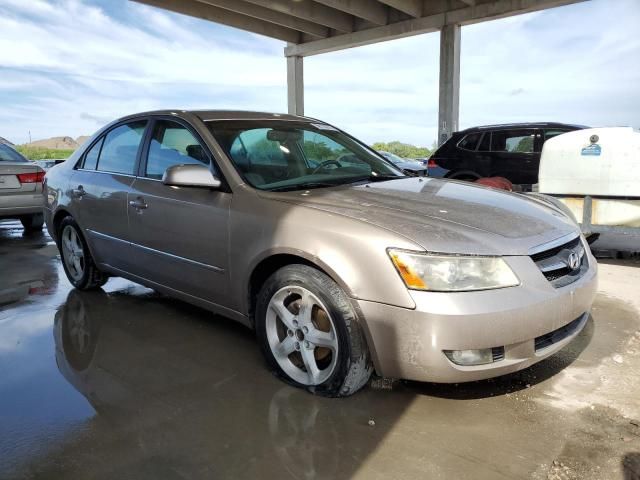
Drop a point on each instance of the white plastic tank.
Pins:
(600, 162)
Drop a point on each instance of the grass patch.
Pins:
(41, 153)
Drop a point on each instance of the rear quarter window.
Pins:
(91, 157)
(470, 141)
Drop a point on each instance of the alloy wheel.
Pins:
(73, 252)
(302, 336)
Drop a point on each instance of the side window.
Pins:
(173, 144)
(120, 148)
(91, 157)
(469, 142)
(252, 147)
(513, 141)
(552, 133)
(485, 143)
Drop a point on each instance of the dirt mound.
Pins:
(58, 143)
(81, 139)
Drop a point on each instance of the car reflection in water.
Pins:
(177, 390)
(26, 267)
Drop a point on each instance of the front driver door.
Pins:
(179, 235)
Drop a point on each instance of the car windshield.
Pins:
(285, 155)
(393, 157)
(8, 154)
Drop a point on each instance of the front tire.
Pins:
(32, 223)
(77, 261)
(310, 333)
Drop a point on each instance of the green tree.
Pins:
(404, 150)
(319, 151)
(41, 153)
(525, 145)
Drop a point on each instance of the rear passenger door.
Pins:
(99, 189)
(513, 155)
(179, 235)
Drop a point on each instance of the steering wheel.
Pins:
(325, 164)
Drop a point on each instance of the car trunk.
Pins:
(9, 181)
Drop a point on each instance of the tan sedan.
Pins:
(341, 263)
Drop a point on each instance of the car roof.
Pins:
(211, 115)
(508, 126)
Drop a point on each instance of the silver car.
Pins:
(341, 268)
(20, 189)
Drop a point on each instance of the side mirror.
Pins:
(191, 175)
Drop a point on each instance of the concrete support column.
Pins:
(295, 85)
(449, 105)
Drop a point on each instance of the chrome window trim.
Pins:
(138, 177)
(105, 173)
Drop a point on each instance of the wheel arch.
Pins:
(271, 262)
(57, 220)
(61, 214)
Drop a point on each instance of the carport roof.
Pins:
(318, 26)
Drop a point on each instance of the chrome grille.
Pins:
(555, 263)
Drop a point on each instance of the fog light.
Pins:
(470, 357)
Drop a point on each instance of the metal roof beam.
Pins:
(368, 36)
(197, 9)
(271, 16)
(311, 11)
(370, 10)
(410, 7)
(463, 16)
(500, 9)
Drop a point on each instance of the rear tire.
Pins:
(32, 223)
(77, 261)
(310, 334)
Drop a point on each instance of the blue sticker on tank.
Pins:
(593, 150)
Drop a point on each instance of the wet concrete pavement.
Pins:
(128, 384)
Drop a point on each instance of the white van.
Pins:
(596, 173)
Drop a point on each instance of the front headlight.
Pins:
(448, 273)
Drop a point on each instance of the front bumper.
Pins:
(409, 344)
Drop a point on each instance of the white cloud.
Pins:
(58, 63)
(67, 65)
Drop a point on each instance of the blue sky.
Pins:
(69, 66)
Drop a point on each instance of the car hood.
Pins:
(443, 215)
(410, 166)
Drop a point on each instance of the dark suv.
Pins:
(511, 151)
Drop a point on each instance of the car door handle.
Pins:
(138, 203)
(78, 192)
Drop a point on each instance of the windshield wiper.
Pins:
(303, 186)
(383, 178)
(376, 178)
(344, 181)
